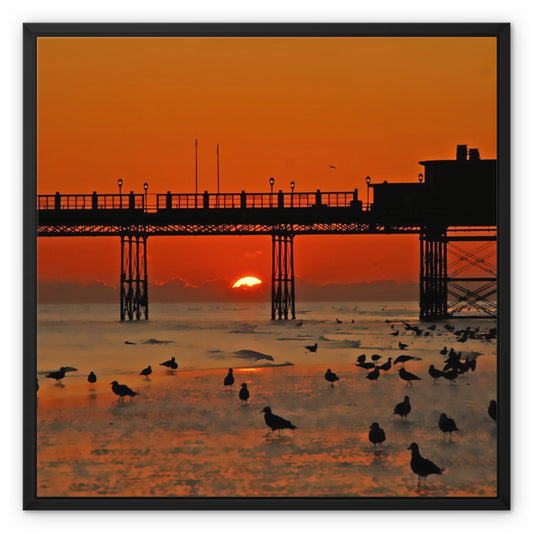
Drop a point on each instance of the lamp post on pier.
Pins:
(292, 193)
(120, 182)
(271, 181)
(146, 196)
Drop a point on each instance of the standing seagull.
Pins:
(122, 390)
(373, 375)
(376, 435)
(58, 375)
(447, 425)
(244, 393)
(434, 373)
(331, 377)
(403, 408)
(91, 378)
(402, 346)
(386, 366)
(313, 348)
(275, 422)
(407, 376)
(229, 380)
(421, 466)
(171, 363)
(146, 372)
(493, 409)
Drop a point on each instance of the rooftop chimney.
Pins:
(474, 154)
(461, 152)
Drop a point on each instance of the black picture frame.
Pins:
(31, 32)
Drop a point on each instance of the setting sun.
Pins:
(248, 281)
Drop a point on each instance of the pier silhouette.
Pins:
(452, 206)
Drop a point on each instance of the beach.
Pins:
(185, 434)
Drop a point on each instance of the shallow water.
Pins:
(188, 435)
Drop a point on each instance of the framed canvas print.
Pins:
(266, 266)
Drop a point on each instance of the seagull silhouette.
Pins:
(122, 390)
(331, 377)
(447, 425)
(91, 378)
(313, 348)
(229, 379)
(333, 167)
(376, 435)
(275, 422)
(373, 375)
(434, 373)
(244, 393)
(421, 466)
(146, 372)
(493, 409)
(386, 366)
(171, 363)
(403, 408)
(58, 375)
(407, 376)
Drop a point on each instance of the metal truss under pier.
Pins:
(283, 274)
(456, 281)
(133, 276)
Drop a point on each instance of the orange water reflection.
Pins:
(187, 435)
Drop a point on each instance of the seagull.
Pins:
(339, 321)
(366, 366)
(313, 348)
(122, 390)
(434, 373)
(403, 358)
(146, 372)
(403, 408)
(447, 425)
(376, 357)
(444, 351)
(91, 378)
(244, 393)
(58, 375)
(373, 375)
(451, 375)
(275, 422)
(493, 409)
(386, 366)
(421, 466)
(331, 377)
(376, 435)
(361, 358)
(171, 363)
(229, 379)
(333, 167)
(395, 333)
(407, 376)
(402, 345)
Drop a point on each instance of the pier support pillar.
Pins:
(133, 276)
(433, 274)
(283, 275)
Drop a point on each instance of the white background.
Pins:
(13, 13)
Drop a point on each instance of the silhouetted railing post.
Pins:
(132, 200)
(206, 200)
(280, 198)
(318, 197)
(169, 200)
(95, 200)
(57, 203)
(243, 200)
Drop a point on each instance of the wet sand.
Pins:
(188, 435)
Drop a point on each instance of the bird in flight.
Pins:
(333, 167)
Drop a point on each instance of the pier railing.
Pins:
(170, 201)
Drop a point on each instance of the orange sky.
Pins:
(281, 107)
